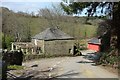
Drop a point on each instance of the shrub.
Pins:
(7, 42)
(108, 59)
(13, 57)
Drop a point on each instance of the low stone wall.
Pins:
(58, 47)
(29, 57)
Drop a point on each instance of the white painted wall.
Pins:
(36, 42)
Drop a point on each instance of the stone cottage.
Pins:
(53, 41)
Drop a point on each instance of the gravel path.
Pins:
(65, 67)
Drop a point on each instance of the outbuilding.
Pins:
(53, 41)
(94, 44)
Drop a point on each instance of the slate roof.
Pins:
(94, 41)
(52, 34)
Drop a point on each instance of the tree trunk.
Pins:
(116, 23)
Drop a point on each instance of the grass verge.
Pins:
(15, 67)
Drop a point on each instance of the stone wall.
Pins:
(59, 47)
(40, 43)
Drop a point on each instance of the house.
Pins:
(94, 44)
(53, 41)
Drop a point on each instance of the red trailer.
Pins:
(94, 44)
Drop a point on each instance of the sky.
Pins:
(31, 5)
(28, 6)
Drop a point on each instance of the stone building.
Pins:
(53, 41)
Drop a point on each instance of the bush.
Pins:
(13, 57)
(6, 44)
(108, 59)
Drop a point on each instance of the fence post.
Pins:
(4, 70)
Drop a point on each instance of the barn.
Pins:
(94, 44)
(53, 41)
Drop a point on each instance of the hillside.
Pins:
(75, 29)
(25, 24)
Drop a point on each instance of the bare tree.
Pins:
(53, 16)
(16, 24)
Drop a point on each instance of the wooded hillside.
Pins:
(22, 26)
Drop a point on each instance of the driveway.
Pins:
(64, 67)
